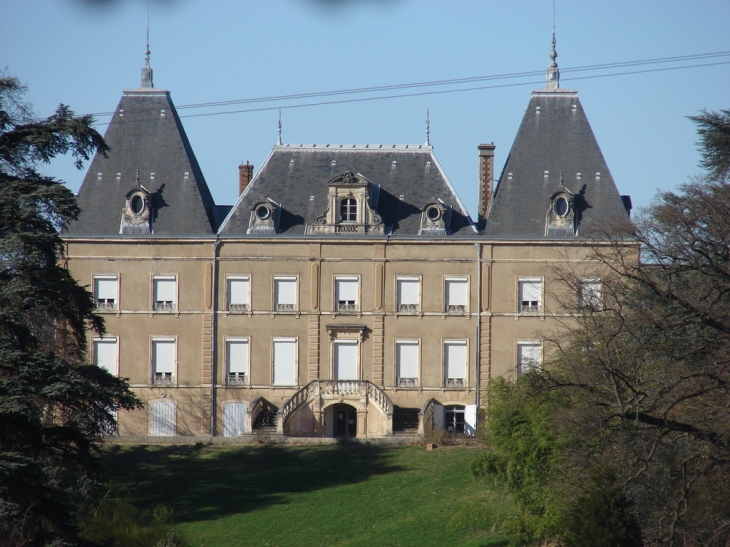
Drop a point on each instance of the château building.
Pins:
(347, 292)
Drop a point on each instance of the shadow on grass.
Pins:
(201, 483)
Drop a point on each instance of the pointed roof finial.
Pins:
(428, 128)
(147, 71)
(553, 73)
(279, 141)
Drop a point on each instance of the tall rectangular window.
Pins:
(530, 297)
(105, 354)
(165, 293)
(456, 295)
(406, 363)
(529, 356)
(163, 361)
(345, 359)
(285, 362)
(105, 292)
(409, 297)
(455, 360)
(590, 294)
(162, 419)
(346, 294)
(285, 293)
(238, 293)
(237, 362)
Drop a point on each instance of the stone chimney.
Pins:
(245, 174)
(486, 176)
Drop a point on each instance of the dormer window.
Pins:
(560, 218)
(435, 218)
(348, 210)
(265, 215)
(263, 212)
(560, 206)
(433, 213)
(136, 215)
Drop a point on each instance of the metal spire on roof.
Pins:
(428, 128)
(279, 141)
(147, 71)
(553, 73)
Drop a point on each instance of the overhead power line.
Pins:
(375, 89)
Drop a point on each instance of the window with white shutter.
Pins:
(590, 294)
(409, 297)
(406, 363)
(529, 356)
(238, 293)
(345, 359)
(234, 423)
(456, 295)
(285, 362)
(455, 359)
(346, 294)
(530, 297)
(105, 354)
(237, 362)
(165, 293)
(162, 419)
(105, 292)
(163, 361)
(285, 293)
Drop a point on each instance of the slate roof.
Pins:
(293, 174)
(142, 138)
(557, 138)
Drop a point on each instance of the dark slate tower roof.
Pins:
(295, 176)
(146, 136)
(554, 138)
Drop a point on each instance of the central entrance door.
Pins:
(345, 421)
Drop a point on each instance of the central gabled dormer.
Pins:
(351, 203)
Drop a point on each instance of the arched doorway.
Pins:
(345, 421)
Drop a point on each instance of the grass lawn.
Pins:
(298, 496)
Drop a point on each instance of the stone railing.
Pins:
(333, 388)
(407, 382)
(425, 417)
(237, 307)
(106, 305)
(533, 307)
(455, 382)
(237, 379)
(286, 307)
(341, 306)
(161, 380)
(164, 306)
(258, 406)
(409, 308)
(456, 308)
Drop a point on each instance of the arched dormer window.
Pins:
(348, 210)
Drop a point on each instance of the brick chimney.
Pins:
(245, 174)
(486, 176)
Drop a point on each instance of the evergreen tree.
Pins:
(54, 409)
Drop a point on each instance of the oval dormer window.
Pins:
(433, 213)
(560, 206)
(136, 204)
(263, 212)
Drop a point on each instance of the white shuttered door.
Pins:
(105, 288)
(238, 291)
(285, 362)
(235, 420)
(407, 359)
(165, 289)
(285, 290)
(408, 291)
(164, 356)
(162, 419)
(456, 292)
(455, 359)
(237, 352)
(346, 360)
(347, 289)
(105, 354)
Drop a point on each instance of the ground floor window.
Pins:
(454, 419)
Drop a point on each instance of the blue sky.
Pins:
(84, 53)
